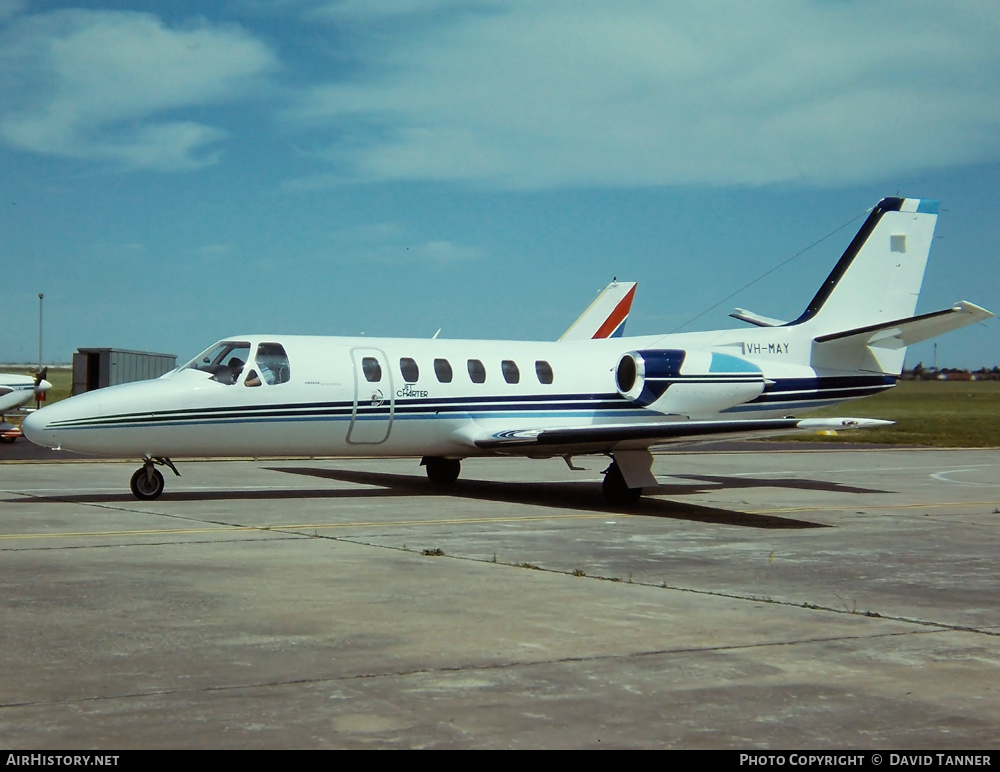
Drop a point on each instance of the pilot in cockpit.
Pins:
(235, 368)
(271, 364)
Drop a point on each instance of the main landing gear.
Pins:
(441, 471)
(616, 490)
(147, 482)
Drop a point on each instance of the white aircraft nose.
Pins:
(33, 427)
(42, 386)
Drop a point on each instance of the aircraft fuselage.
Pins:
(435, 397)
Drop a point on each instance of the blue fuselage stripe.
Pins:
(802, 393)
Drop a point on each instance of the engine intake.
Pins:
(643, 376)
(692, 383)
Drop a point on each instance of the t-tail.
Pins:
(862, 317)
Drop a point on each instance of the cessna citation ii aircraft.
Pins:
(446, 400)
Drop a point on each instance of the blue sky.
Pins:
(176, 176)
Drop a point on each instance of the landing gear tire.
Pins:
(615, 490)
(6, 440)
(146, 484)
(443, 471)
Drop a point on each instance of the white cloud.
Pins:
(98, 85)
(369, 10)
(388, 243)
(591, 93)
(211, 252)
(447, 252)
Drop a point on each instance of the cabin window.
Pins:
(272, 364)
(224, 361)
(476, 371)
(442, 369)
(544, 371)
(510, 372)
(408, 367)
(372, 369)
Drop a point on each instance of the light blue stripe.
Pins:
(726, 363)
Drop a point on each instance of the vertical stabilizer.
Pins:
(878, 278)
(606, 316)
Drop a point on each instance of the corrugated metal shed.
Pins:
(95, 368)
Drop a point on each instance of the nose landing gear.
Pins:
(147, 482)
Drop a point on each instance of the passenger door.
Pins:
(371, 418)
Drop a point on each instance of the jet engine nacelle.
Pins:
(690, 383)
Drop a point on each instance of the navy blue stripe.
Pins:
(825, 394)
(349, 405)
(830, 388)
(787, 390)
(420, 406)
(829, 382)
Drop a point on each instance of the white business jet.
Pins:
(446, 400)
(17, 391)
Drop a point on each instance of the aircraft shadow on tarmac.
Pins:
(582, 496)
(721, 482)
(577, 496)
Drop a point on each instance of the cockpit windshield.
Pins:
(224, 361)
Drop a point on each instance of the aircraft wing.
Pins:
(611, 437)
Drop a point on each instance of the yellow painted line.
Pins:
(279, 528)
(865, 506)
(274, 528)
(160, 532)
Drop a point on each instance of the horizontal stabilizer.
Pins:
(905, 332)
(597, 439)
(756, 319)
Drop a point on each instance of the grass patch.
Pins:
(942, 414)
(62, 383)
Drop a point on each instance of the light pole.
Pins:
(40, 296)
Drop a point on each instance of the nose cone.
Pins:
(42, 386)
(58, 425)
(35, 427)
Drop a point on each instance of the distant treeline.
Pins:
(921, 373)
